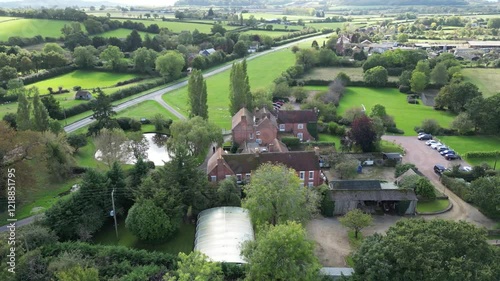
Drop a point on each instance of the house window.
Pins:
(311, 175)
(300, 126)
(250, 136)
(302, 175)
(300, 136)
(238, 177)
(282, 127)
(247, 177)
(213, 178)
(228, 176)
(310, 184)
(257, 133)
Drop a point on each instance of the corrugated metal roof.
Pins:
(337, 271)
(221, 231)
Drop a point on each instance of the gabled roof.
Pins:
(298, 160)
(296, 116)
(212, 161)
(237, 117)
(355, 185)
(373, 195)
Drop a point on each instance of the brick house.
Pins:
(295, 122)
(260, 128)
(222, 165)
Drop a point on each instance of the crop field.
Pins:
(31, 28)
(486, 79)
(406, 116)
(122, 33)
(464, 144)
(329, 73)
(261, 72)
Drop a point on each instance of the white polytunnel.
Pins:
(221, 231)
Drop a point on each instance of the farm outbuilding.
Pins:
(371, 196)
(221, 231)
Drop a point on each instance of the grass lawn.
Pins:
(330, 138)
(486, 79)
(85, 156)
(329, 73)
(146, 109)
(181, 241)
(432, 206)
(406, 116)
(261, 72)
(31, 28)
(387, 146)
(122, 33)
(463, 144)
(41, 199)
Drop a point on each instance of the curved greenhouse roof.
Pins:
(221, 231)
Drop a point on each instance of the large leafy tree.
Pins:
(133, 41)
(144, 60)
(170, 64)
(281, 252)
(112, 56)
(455, 96)
(418, 81)
(112, 145)
(85, 57)
(363, 133)
(239, 88)
(195, 266)
(275, 196)
(376, 76)
(433, 250)
(486, 195)
(40, 115)
(229, 193)
(148, 221)
(197, 92)
(196, 134)
(356, 220)
(439, 74)
(23, 113)
(103, 110)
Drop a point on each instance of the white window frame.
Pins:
(257, 133)
(228, 176)
(311, 175)
(300, 126)
(239, 178)
(213, 178)
(300, 136)
(310, 184)
(250, 136)
(282, 127)
(247, 177)
(302, 175)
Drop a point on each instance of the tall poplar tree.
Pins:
(239, 88)
(23, 113)
(197, 91)
(40, 115)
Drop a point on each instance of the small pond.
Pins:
(156, 152)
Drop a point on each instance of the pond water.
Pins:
(156, 152)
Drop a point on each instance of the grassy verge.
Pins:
(146, 109)
(355, 243)
(181, 241)
(432, 206)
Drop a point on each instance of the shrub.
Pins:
(404, 89)
(458, 187)
(394, 130)
(482, 154)
(291, 141)
(149, 222)
(124, 123)
(135, 125)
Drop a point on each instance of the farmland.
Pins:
(261, 72)
(406, 116)
(329, 73)
(486, 79)
(122, 33)
(177, 26)
(272, 34)
(31, 28)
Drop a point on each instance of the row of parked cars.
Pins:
(278, 104)
(445, 151)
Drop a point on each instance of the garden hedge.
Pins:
(482, 154)
(291, 141)
(458, 187)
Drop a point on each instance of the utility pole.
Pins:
(114, 211)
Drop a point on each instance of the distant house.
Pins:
(207, 52)
(370, 196)
(260, 128)
(83, 95)
(222, 165)
(296, 122)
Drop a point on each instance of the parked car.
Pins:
(439, 169)
(442, 148)
(448, 151)
(466, 168)
(435, 145)
(368, 162)
(429, 142)
(425, 137)
(450, 157)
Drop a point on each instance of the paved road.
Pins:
(156, 95)
(425, 158)
(19, 223)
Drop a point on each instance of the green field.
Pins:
(31, 28)
(486, 79)
(83, 78)
(272, 34)
(122, 33)
(181, 241)
(177, 26)
(463, 144)
(320, 25)
(261, 72)
(329, 73)
(146, 109)
(406, 116)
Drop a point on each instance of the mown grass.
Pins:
(464, 144)
(329, 138)
(406, 116)
(122, 33)
(83, 78)
(178, 26)
(146, 109)
(261, 72)
(181, 241)
(31, 28)
(486, 79)
(432, 206)
(329, 73)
